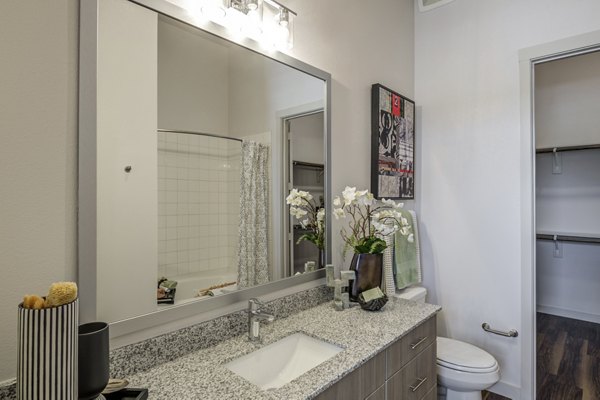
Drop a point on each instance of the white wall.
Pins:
(307, 138)
(38, 155)
(567, 101)
(127, 203)
(569, 203)
(193, 80)
(360, 45)
(467, 93)
(259, 88)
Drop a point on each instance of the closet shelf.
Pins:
(568, 148)
(303, 164)
(562, 237)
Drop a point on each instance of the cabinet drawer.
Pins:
(414, 380)
(379, 394)
(361, 383)
(405, 349)
(431, 395)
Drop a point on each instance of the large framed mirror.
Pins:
(190, 141)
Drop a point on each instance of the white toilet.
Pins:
(463, 370)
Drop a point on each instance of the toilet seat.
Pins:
(464, 357)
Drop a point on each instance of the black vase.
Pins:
(368, 269)
(93, 359)
(321, 259)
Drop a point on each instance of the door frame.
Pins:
(280, 210)
(528, 59)
(288, 252)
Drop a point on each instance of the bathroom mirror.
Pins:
(189, 145)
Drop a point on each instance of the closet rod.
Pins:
(568, 148)
(198, 133)
(568, 238)
(308, 165)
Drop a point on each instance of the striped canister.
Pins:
(47, 353)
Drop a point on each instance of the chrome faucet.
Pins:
(255, 315)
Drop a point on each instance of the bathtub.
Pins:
(188, 285)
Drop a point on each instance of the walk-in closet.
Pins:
(567, 163)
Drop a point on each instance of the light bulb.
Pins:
(284, 17)
(252, 5)
(213, 11)
(252, 26)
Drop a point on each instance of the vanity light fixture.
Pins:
(267, 21)
(284, 17)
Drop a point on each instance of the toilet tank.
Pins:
(414, 293)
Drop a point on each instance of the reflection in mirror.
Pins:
(189, 146)
(236, 131)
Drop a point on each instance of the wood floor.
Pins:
(493, 396)
(568, 359)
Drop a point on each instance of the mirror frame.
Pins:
(87, 224)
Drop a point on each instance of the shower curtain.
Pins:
(253, 268)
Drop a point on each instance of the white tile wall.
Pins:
(198, 203)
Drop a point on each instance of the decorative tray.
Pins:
(128, 394)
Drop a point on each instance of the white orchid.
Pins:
(298, 212)
(369, 221)
(321, 215)
(349, 195)
(305, 195)
(339, 213)
(298, 197)
(388, 202)
(310, 216)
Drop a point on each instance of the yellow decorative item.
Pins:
(33, 302)
(61, 293)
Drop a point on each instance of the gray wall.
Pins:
(38, 155)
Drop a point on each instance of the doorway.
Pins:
(560, 344)
(567, 198)
(304, 169)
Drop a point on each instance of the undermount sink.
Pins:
(283, 361)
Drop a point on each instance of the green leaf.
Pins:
(370, 245)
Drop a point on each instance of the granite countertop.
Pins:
(362, 334)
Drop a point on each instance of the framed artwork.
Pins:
(392, 144)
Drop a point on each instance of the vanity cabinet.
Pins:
(405, 370)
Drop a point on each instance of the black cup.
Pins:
(93, 359)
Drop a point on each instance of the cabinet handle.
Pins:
(416, 387)
(420, 342)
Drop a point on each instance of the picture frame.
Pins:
(392, 144)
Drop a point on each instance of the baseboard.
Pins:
(507, 390)
(564, 312)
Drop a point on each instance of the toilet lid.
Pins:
(463, 356)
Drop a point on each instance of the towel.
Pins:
(407, 255)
